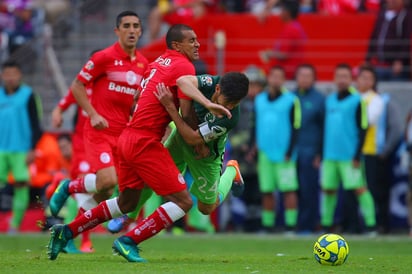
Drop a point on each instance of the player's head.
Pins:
(11, 75)
(276, 77)
(128, 29)
(289, 9)
(343, 76)
(305, 76)
(232, 87)
(367, 79)
(183, 39)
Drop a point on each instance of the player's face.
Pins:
(343, 78)
(65, 148)
(129, 31)
(276, 78)
(305, 78)
(365, 81)
(11, 77)
(189, 46)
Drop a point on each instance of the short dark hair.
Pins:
(278, 67)
(307, 66)
(234, 86)
(292, 6)
(175, 34)
(123, 14)
(372, 71)
(11, 64)
(64, 136)
(344, 66)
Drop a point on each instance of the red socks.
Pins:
(150, 226)
(90, 219)
(77, 186)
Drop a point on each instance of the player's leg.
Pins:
(353, 178)
(21, 196)
(165, 180)
(100, 151)
(288, 185)
(267, 185)
(329, 184)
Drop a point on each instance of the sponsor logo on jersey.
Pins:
(122, 89)
(140, 65)
(86, 75)
(206, 81)
(105, 157)
(89, 65)
(131, 77)
(118, 62)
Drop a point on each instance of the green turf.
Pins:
(222, 253)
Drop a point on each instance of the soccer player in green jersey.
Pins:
(198, 141)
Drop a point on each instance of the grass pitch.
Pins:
(221, 253)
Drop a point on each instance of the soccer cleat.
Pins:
(86, 247)
(238, 185)
(59, 197)
(127, 248)
(117, 224)
(60, 235)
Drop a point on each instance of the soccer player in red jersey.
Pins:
(115, 73)
(143, 160)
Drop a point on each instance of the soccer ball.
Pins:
(331, 249)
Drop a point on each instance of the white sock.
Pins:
(173, 211)
(114, 208)
(88, 203)
(90, 183)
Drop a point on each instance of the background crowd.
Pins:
(298, 201)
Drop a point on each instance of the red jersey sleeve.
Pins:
(185, 69)
(67, 100)
(93, 69)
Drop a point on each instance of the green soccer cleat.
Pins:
(127, 248)
(70, 248)
(60, 235)
(59, 197)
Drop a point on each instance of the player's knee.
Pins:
(205, 209)
(106, 184)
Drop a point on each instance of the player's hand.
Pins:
(201, 151)
(316, 161)
(31, 155)
(218, 110)
(57, 118)
(164, 95)
(98, 122)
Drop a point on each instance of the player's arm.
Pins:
(79, 92)
(34, 108)
(188, 84)
(295, 120)
(62, 106)
(192, 137)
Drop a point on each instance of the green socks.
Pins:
(225, 183)
(291, 217)
(19, 205)
(328, 207)
(368, 208)
(268, 218)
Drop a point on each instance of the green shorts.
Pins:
(276, 175)
(334, 172)
(14, 162)
(206, 172)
